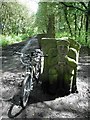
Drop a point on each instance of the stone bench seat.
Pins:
(59, 74)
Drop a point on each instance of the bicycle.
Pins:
(33, 68)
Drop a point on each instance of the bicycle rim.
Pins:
(26, 88)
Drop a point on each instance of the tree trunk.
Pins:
(51, 26)
(86, 36)
(65, 12)
(80, 25)
(87, 21)
(75, 24)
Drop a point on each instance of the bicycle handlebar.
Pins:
(33, 54)
(22, 56)
(27, 55)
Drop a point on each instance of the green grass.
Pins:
(80, 39)
(11, 39)
(63, 34)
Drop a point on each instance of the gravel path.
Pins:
(42, 105)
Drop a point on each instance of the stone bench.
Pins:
(59, 75)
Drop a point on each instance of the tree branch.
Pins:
(72, 6)
(82, 3)
(65, 12)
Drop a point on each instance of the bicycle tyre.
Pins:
(26, 89)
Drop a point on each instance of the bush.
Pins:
(11, 39)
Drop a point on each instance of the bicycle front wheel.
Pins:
(26, 89)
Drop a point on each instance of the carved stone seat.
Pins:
(59, 75)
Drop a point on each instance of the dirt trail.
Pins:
(42, 105)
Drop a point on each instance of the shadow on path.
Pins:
(36, 96)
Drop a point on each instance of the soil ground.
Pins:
(42, 105)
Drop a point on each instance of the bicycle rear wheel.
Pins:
(26, 89)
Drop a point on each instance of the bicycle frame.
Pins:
(33, 63)
(33, 68)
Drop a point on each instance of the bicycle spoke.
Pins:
(33, 70)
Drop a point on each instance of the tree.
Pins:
(45, 18)
(14, 18)
(85, 8)
(69, 16)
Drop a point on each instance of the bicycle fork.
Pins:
(29, 72)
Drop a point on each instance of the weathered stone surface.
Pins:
(74, 44)
(49, 47)
(59, 65)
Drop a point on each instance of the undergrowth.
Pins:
(11, 39)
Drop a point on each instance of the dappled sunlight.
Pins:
(85, 64)
(79, 67)
(85, 59)
(10, 78)
(62, 87)
(67, 114)
(32, 5)
(9, 81)
(42, 104)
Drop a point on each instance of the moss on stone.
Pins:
(61, 63)
(49, 47)
(74, 44)
(52, 75)
(72, 53)
(71, 62)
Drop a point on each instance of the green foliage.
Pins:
(62, 34)
(72, 23)
(16, 23)
(11, 39)
(14, 18)
(42, 16)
